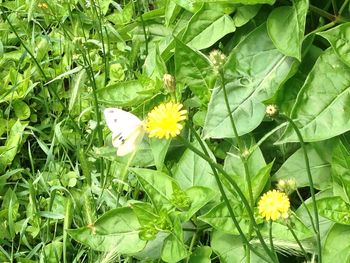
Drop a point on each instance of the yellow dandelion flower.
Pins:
(274, 205)
(164, 120)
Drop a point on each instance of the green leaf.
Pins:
(286, 26)
(193, 69)
(128, 93)
(21, 109)
(199, 197)
(281, 231)
(244, 14)
(157, 185)
(260, 180)
(11, 205)
(248, 82)
(206, 27)
(192, 170)
(201, 255)
(53, 252)
(322, 108)
(320, 156)
(339, 37)
(174, 248)
(78, 81)
(116, 230)
(341, 170)
(335, 209)
(9, 151)
(234, 165)
(159, 149)
(219, 218)
(336, 247)
(230, 248)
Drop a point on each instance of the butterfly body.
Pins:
(127, 130)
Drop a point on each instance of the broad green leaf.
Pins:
(281, 232)
(336, 247)
(287, 95)
(230, 248)
(9, 151)
(286, 26)
(21, 109)
(174, 248)
(320, 156)
(234, 165)
(193, 69)
(322, 108)
(153, 248)
(192, 170)
(335, 209)
(341, 170)
(248, 82)
(188, 5)
(114, 231)
(53, 252)
(171, 12)
(199, 197)
(128, 93)
(219, 218)
(159, 149)
(206, 27)
(260, 180)
(145, 212)
(244, 13)
(339, 37)
(41, 49)
(201, 255)
(157, 185)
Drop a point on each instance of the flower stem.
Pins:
(343, 7)
(312, 190)
(218, 168)
(307, 211)
(298, 241)
(271, 240)
(238, 139)
(241, 149)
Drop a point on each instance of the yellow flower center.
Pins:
(274, 205)
(164, 120)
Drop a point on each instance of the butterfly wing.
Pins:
(127, 129)
(131, 142)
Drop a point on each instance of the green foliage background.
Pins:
(66, 197)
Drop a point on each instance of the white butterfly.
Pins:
(127, 130)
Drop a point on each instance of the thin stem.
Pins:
(335, 8)
(223, 194)
(241, 149)
(298, 241)
(343, 7)
(307, 211)
(143, 27)
(271, 240)
(322, 28)
(321, 12)
(124, 173)
(312, 190)
(194, 237)
(237, 189)
(238, 139)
